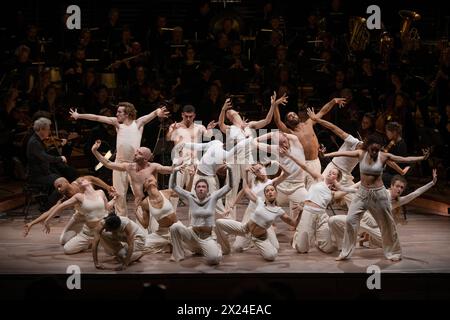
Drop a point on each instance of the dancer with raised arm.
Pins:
(258, 227)
(92, 205)
(129, 134)
(198, 237)
(304, 131)
(313, 229)
(398, 185)
(372, 196)
(238, 131)
(158, 207)
(345, 164)
(68, 190)
(187, 131)
(138, 171)
(261, 180)
(291, 191)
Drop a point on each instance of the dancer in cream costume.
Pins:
(292, 191)
(398, 185)
(92, 206)
(259, 225)
(260, 181)
(304, 131)
(120, 237)
(158, 207)
(372, 196)
(187, 131)
(198, 237)
(238, 131)
(346, 164)
(129, 134)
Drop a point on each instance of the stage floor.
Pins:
(425, 242)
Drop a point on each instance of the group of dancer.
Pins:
(289, 185)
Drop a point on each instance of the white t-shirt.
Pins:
(263, 215)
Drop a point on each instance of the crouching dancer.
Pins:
(198, 237)
(120, 237)
(258, 225)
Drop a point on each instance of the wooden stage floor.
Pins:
(425, 243)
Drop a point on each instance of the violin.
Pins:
(53, 142)
(388, 146)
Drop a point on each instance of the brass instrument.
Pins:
(359, 35)
(406, 32)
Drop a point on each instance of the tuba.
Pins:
(359, 35)
(407, 34)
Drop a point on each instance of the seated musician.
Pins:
(42, 168)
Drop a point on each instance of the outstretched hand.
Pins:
(340, 101)
(312, 115)
(74, 114)
(227, 105)
(212, 125)
(96, 145)
(162, 112)
(283, 100)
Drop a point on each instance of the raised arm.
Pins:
(226, 188)
(93, 117)
(284, 174)
(226, 106)
(410, 197)
(169, 135)
(280, 124)
(108, 164)
(160, 112)
(250, 194)
(334, 128)
(328, 106)
(173, 185)
(266, 121)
